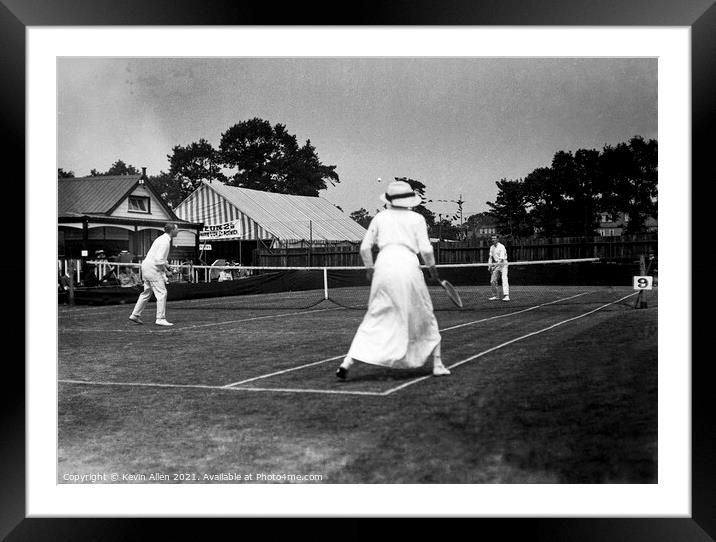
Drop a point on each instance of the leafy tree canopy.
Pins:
(168, 188)
(269, 158)
(446, 229)
(510, 209)
(251, 154)
(362, 217)
(118, 168)
(196, 162)
(567, 198)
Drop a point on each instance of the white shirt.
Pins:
(397, 227)
(157, 256)
(498, 253)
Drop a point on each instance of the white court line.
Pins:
(284, 371)
(308, 390)
(137, 384)
(441, 330)
(133, 328)
(403, 386)
(85, 310)
(513, 313)
(335, 392)
(217, 388)
(259, 318)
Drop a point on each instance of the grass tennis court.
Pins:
(557, 386)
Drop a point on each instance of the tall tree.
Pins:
(265, 157)
(362, 217)
(168, 188)
(444, 228)
(567, 197)
(305, 175)
(577, 176)
(479, 219)
(196, 162)
(510, 209)
(544, 199)
(120, 168)
(631, 181)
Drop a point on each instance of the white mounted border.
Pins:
(670, 497)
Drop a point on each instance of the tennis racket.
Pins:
(451, 293)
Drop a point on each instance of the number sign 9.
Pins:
(643, 283)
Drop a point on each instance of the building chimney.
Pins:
(144, 176)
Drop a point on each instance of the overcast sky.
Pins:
(455, 124)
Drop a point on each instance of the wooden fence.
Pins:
(628, 247)
(316, 256)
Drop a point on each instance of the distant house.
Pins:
(651, 225)
(610, 225)
(615, 225)
(114, 214)
(482, 225)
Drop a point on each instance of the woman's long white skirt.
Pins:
(399, 329)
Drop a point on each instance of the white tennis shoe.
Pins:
(163, 322)
(506, 298)
(493, 298)
(441, 370)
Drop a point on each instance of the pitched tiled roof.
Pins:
(92, 195)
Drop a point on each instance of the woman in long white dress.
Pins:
(399, 329)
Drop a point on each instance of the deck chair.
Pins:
(216, 269)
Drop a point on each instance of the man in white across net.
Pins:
(497, 265)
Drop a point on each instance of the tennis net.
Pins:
(530, 283)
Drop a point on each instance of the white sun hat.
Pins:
(400, 194)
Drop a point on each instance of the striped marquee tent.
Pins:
(267, 216)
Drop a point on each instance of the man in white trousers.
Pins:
(155, 268)
(497, 265)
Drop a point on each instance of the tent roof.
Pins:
(289, 217)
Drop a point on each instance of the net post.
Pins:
(71, 293)
(325, 283)
(641, 296)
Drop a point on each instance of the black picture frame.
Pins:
(16, 15)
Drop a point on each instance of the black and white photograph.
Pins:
(357, 270)
(360, 271)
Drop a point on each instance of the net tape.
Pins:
(530, 283)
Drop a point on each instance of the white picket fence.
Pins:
(64, 265)
(198, 273)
